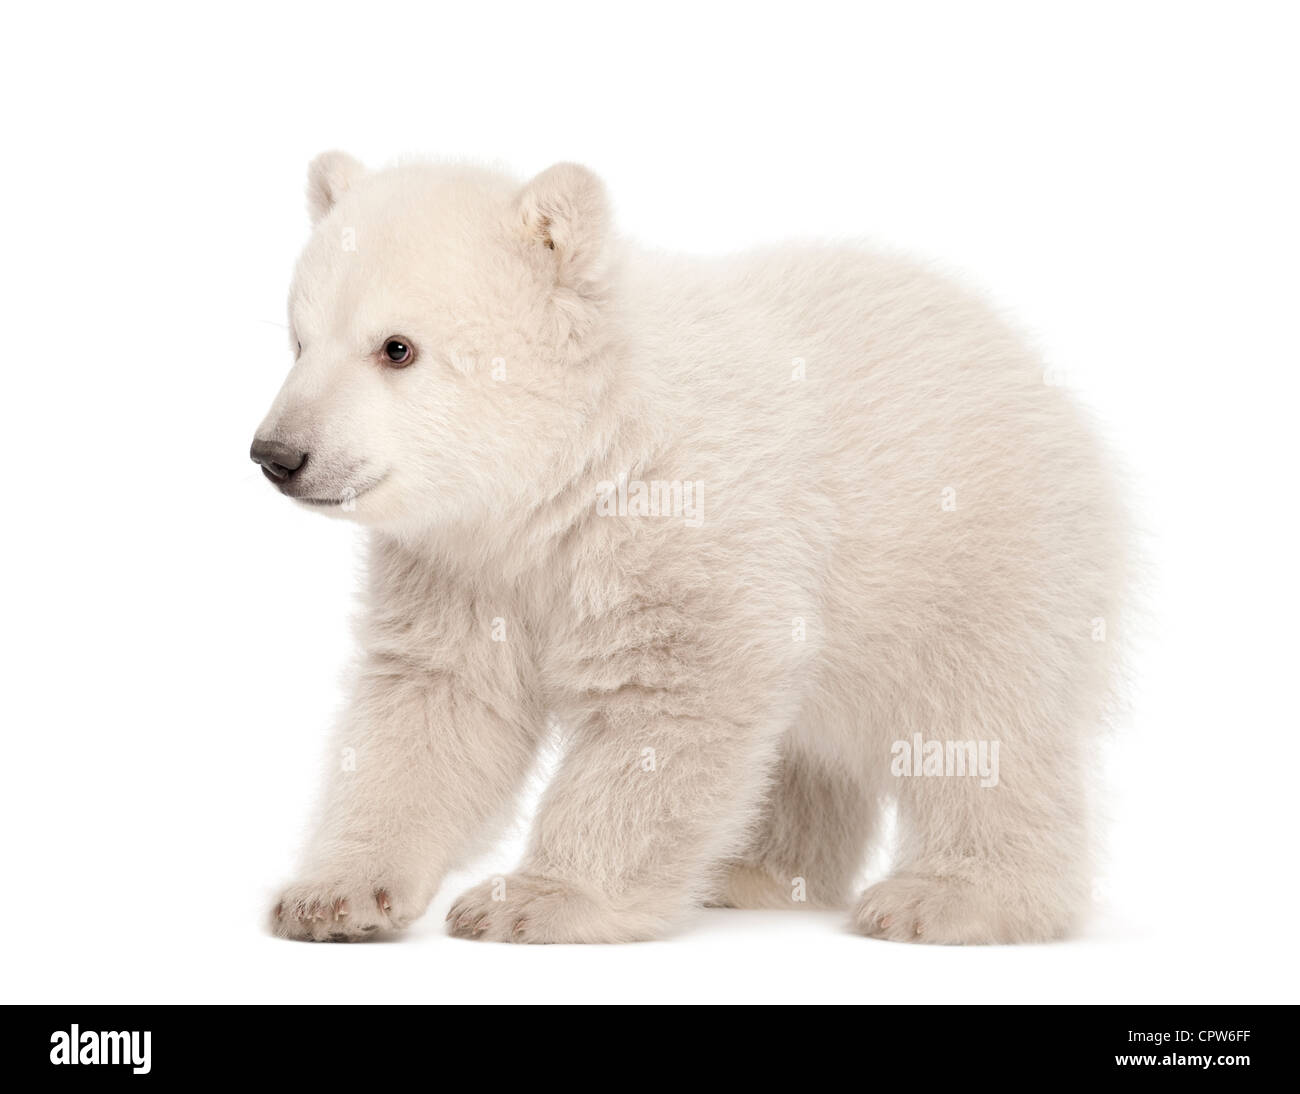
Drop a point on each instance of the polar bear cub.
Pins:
(775, 539)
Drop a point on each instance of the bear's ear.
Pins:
(329, 176)
(565, 210)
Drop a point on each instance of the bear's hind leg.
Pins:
(809, 844)
(979, 862)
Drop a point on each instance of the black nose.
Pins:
(279, 461)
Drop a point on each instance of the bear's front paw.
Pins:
(338, 911)
(533, 908)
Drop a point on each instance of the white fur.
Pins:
(911, 532)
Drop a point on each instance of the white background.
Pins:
(1121, 178)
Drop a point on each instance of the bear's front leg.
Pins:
(653, 793)
(428, 757)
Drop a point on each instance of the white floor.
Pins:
(204, 953)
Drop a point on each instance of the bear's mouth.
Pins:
(348, 496)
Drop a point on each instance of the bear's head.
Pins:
(447, 326)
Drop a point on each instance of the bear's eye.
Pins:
(398, 352)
